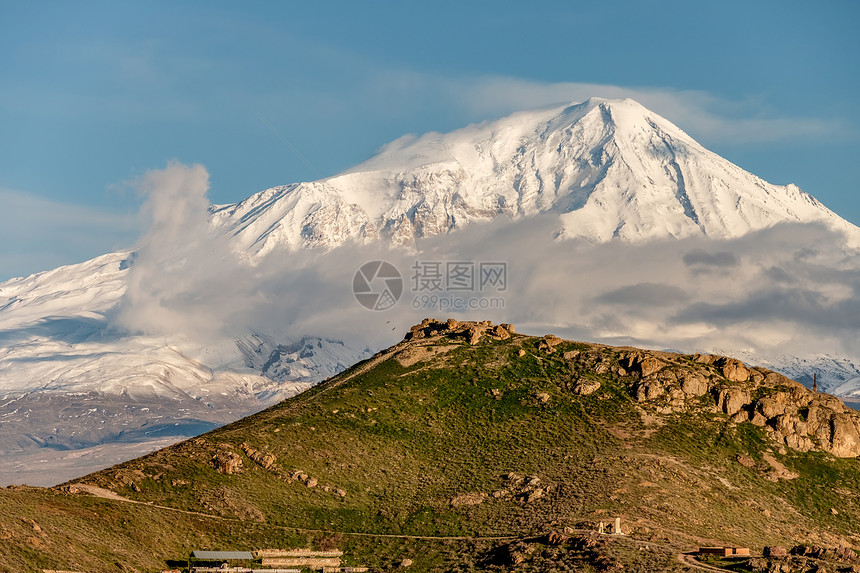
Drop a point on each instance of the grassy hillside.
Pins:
(467, 431)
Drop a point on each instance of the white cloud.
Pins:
(790, 289)
(702, 114)
(176, 258)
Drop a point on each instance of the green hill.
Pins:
(463, 448)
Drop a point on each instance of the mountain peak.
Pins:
(609, 169)
(594, 102)
(623, 110)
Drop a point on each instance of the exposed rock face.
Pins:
(525, 489)
(733, 370)
(649, 366)
(844, 437)
(646, 390)
(732, 400)
(227, 462)
(793, 432)
(549, 343)
(643, 364)
(775, 551)
(470, 330)
(804, 420)
(263, 459)
(693, 383)
(772, 406)
(500, 332)
(796, 417)
(840, 554)
(584, 387)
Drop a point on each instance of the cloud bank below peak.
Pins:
(787, 289)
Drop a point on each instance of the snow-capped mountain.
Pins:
(604, 170)
(608, 168)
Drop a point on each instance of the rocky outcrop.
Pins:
(501, 331)
(262, 459)
(805, 420)
(548, 343)
(776, 551)
(647, 390)
(799, 418)
(526, 489)
(470, 330)
(227, 462)
(795, 416)
(839, 554)
(731, 400)
(643, 364)
(585, 386)
(693, 383)
(733, 370)
(844, 436)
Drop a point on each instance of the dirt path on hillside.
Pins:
(113, 496)
(102, 492)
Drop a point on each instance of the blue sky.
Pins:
(93, 94)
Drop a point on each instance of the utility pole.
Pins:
(815, 381)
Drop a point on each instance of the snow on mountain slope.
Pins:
(55, 323)
(94, 285)
(307, 359)
(607, 168)
(849, 389)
